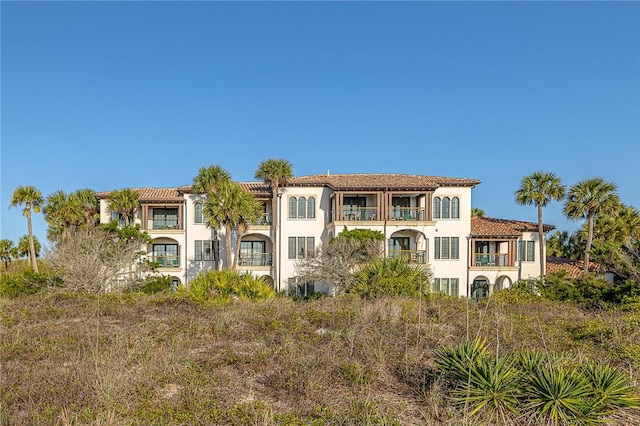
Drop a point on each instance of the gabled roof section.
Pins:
(492, 228)
(380, 181)
(573, 268)
(151, 194)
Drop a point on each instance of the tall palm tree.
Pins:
(231, 206)
(275, 172)
(477, 212)
(124, 202)
(588, 199)
(8, 252)
(32, 199)
(206, 182)
(539, 189)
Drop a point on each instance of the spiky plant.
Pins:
(610, 387)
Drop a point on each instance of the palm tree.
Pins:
(206, 182)
(477, 212)
(124, 202)
(250, 210)
(275, 172)
(63, 213)
(24, 246)
(539, 189)
(8, 252)
(208, 179)
(587, 199)
(558, 244)
(89, 204)
(32, 199)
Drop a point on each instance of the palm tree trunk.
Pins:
(227, 240)
(589, 241)
(541, 239)
(32, 246)
(274, 226)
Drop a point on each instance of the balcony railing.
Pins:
(166, 260)
(255, 259)
(356, 214)
(491, 259)
(264, 220)
(407, 213)
(414, 256)
(164, 224)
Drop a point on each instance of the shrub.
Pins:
(391, 277)
(156, 284)
(26, 282)
(226, 285)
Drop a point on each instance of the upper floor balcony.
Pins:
(418, 257)
(264, 220)
(163, 223)
(255, 259)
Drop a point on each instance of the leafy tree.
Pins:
(8, 252)
(275, 172)
(588, 199)
(337, 261)
(539, 189)
(232, 207)
(32, 200)
(24, 246)
(124, 202)
(557, 244)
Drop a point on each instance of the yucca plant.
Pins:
(610, 389)
(248, 287)
(559, 395)
(456, 361)
(531, 361)
(493, 388)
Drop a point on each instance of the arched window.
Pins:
(311, 208)
(197, 210)
(293, 208)
(455, 208)
(445, 207)
(302, 208)
(436, 208)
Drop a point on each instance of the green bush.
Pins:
(227, 285)
(391, 277)
(26, 282)
(156, 284)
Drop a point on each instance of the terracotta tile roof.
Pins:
(380, 181)
(151, 194)
(490, 227)
(573, 268)
(256, 188)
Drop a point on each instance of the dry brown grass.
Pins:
(163, 360)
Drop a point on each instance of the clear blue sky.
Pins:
(107, 95)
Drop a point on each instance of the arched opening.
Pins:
(502, 283)
(480, 288)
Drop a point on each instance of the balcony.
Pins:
(264, 220)
(155, 224)
(491, 259)
(255, 259)
(415, 256)
(166, 260)
(408, 213)
(355, 214)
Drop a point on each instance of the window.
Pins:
(197, 209)
(526, 251)
(302, 208)
(446, 248)
(436, 208)
(119, 217)
(302, 247)
(203, 250)
(455, 208)
(446, 208)
(253, 253)
(448, 286)
(166, 255)
(165, 218)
